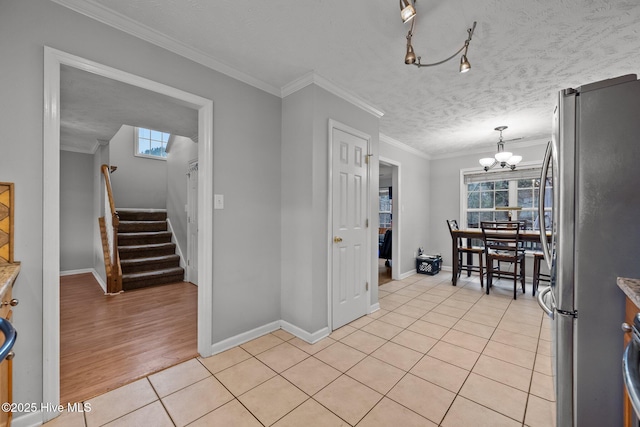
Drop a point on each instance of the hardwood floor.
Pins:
(110, 341)
(384, 272)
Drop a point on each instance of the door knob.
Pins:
(626, 328)
(337, 239)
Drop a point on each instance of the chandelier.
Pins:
(503, 158)
(408, 13)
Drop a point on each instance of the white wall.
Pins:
(183, 150)
(77, 215)
(444, 184)
(139, 182)
(413, 196)
(304, 221)
(246, 291)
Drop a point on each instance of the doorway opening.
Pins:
(389, 220)
(53, 61)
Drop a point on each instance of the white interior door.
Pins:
(350, 250)
(192, 224)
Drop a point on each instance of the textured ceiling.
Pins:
(521, 54)
(94, 108)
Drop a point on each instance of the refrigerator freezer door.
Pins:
(563, 364)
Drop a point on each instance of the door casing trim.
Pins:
(53, 60)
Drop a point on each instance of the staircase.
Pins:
(147, 255)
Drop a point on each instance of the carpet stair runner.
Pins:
(147, 255)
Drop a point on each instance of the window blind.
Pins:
(503, 174)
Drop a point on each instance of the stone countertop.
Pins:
(631, 288)
(8, 274)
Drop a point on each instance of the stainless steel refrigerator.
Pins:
(593, 160)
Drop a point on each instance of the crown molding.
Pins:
(402, 146)
(313, 78)
(123, 23)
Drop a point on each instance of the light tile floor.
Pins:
(433, 355)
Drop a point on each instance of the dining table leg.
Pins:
(454, 261)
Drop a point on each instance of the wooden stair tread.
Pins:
(153, 259)
(144, 234)
(133, 215)
(133, 248)
(154, 273)
(140, 226)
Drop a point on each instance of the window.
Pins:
(486, 196)
(151, 143)
(384, 208)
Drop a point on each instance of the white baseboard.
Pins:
(374, 307)
(311, 338)
(101, 282)
(407, 274)
(31, 419)
(242, 338)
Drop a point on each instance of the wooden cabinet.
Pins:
(630, 312)
(6, 367)
(8, 274)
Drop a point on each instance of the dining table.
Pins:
(476, 233)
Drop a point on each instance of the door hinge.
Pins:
(366, 286)
(188, 262)
(366, 223)
(366, 158)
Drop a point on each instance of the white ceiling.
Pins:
(521, 54)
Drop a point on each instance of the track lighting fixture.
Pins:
(408, 13)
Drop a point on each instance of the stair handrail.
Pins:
(111, 224)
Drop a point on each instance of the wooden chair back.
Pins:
(501, 237)
(453, 226)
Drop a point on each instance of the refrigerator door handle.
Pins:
(541, 303)
(631, 374)
(543, 225)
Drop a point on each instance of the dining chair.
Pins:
(469, 251)
(537, 275)
(502, 246)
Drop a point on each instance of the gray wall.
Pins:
(139, 182)
(246, 290)
(304, 222)
(414, 204)
(76, 211)
(444, 183)
(183, 150)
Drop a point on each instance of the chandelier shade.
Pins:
(502, 157)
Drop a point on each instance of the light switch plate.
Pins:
(218, 201)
